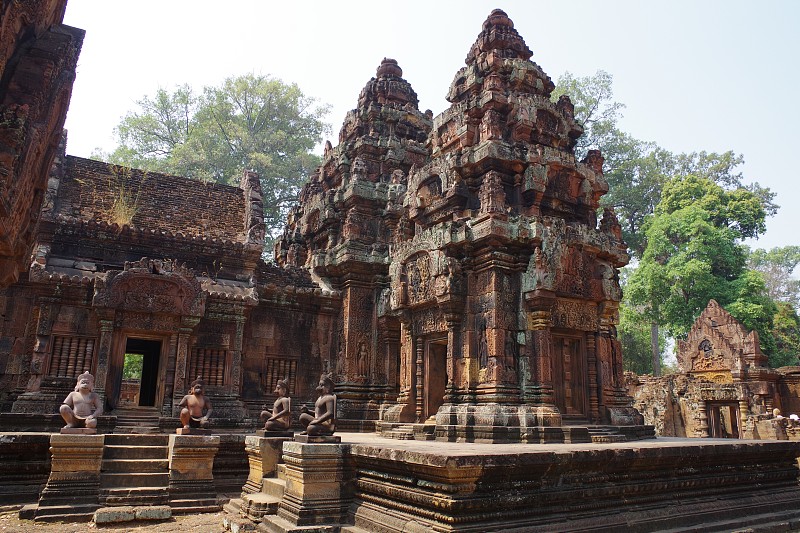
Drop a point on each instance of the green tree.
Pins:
(694, 254)
(247, 122)
(786, 332)
(777, 266)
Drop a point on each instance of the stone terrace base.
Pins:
(654, 485)
(644, 486)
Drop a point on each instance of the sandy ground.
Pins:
(205, 523)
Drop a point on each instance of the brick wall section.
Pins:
(164, 203)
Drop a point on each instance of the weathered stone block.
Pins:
(111, 515)
(154, 512)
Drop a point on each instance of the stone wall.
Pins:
(166, 204)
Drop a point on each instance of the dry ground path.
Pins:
(198, 523)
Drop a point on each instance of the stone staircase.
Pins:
(137, 420)
(251, 508)
(402, 431)
(135, 470)
(605, 434)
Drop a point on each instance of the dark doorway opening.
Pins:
(569, 376)
(435, 376)
(140, 368)
(723, 420)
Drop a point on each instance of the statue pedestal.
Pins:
(274, 434)
(78, 431)
(318, 439)
(317, 492)
(191, 462)
(73, 487)
(192, 431)
(264, 455)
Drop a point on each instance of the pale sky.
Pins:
(694, 75)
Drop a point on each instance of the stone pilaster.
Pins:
(191, 463)
(104, 355)
(317, 488)
(73, 487)
(48, 308)
(182, 359)
(264, 455)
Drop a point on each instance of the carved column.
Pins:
(453, 352)
(182, 355)
(591, 361)
(406, 360)
(102, 386)
(41, 350)
(744, 412)
(419, 388)
(541, 345)
(235, 385)
(703, 427)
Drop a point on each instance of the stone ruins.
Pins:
(724, 387)
(448, 278)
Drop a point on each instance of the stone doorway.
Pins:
(140, 373)
(723, 420)
(570, 376)
(435, 375)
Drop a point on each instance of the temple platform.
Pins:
(660, 484)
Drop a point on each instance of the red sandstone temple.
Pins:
(450, 272)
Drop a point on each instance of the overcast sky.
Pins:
(694, 75)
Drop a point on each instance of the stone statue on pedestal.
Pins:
(323, 422)
(280, 419)
(82, 406)
(196, 408)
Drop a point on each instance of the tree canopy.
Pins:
(247, 122)
(683, 216)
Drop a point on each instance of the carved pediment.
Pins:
(153, 286)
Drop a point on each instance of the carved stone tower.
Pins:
(506, 288)
(343, 227)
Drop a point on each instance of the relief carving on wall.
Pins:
(427, 321)
(418, 279)
(708, 359)
(151, 285)
(570, 314)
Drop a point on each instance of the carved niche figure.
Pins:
(280, 419)
(196, 408)
(362, 359)
(359, 169)
(323, 421)
(82, 406)
(492, 195)
(490, 126)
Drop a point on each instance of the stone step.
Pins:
(141, 430)
(135, 465)
(135, 452)
(134, 496)
(134, 479)
(273, 486)
(199, 505)
(608, 438)
(234, 506)
(65, 513)
(136, 440)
